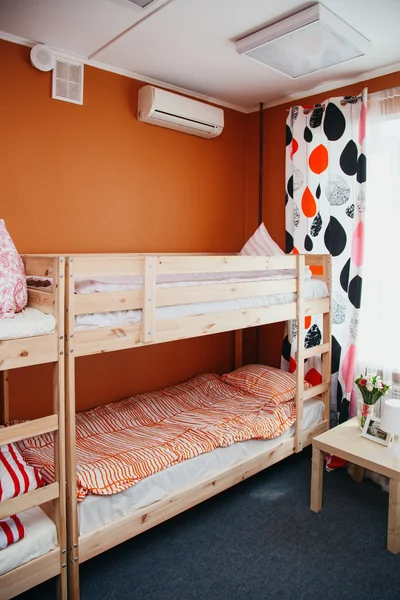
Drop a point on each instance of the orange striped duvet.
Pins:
(120, 444)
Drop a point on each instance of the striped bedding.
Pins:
(122, 443)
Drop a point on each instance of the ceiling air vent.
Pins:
(68, 80)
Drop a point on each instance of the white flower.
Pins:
(370, 387)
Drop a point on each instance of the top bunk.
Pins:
(36, 334)
(119, 301)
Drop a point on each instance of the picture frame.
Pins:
(372, 431)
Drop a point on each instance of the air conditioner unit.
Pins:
(166, 109)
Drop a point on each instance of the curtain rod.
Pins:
(345, 100)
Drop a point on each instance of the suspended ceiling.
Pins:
(190, 44)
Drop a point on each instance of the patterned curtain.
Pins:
(325, 204)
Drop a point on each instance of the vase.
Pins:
(363, 411)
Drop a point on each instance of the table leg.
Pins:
(316, 479)
(357, 473)
(393, 540)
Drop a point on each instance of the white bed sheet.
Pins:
(95, 511)
(40, 538)
(25, 324)
(314, 288)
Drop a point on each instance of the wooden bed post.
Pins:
(327, 336)
(149, 298)
(300, 310)
(4, 397)
(238, 348)
(59, 435)
(72, 508)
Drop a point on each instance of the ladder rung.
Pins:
(28, 429)
(29, 500)
(316, 350)
(315, 390)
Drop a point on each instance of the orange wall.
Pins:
(92, 179)
(274, 182)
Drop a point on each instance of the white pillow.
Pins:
(261, 244)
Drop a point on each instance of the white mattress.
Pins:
(27, 323)
(95, 511)
(40, 538)
(314, 288)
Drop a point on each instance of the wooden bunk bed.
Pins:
(154, 328)
(16, 354)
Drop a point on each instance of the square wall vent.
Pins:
(309, 41)
(68, 80)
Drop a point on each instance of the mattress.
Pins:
(314, 288)
(27, 323)
(40, 538)
(96, 511)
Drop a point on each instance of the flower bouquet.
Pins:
(372, 388)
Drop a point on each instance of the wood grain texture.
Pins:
(393, 539)
(317, 471)
(300, 316)
(21, 431)
(346, 441)
(28, 500)
(70, 433)
(29, 575)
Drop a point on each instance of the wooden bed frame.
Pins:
(24, 352)
(152, 331)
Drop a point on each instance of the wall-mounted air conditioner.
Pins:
(166, 109)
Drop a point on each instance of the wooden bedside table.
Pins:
(345, 441)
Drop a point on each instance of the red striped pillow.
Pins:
(16, 477)
(11, 531)
(274, 385)
(261, 244)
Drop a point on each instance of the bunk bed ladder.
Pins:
(300, 314)
(51, 498)
(327, 338)
(323, 349)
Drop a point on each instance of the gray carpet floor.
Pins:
(258, 540)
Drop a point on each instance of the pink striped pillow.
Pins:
(16, 477)
(262, 381)
(11, 531)
(13, 288)
(261, 244)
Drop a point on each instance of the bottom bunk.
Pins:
(96, 511)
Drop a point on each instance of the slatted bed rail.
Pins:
(152, 296)
(48, 348)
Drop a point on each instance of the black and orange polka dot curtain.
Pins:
(325, 204)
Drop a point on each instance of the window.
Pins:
(379, 328)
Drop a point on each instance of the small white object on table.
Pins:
(390, 423)
(346, 442)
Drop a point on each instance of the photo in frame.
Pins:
(372, 431)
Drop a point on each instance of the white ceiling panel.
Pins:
(76, 26)
(191, 43)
